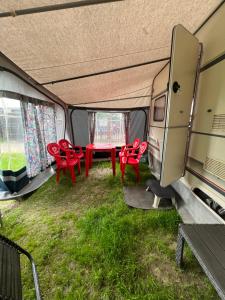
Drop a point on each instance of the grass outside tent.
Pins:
(12, 161)
(88, 244)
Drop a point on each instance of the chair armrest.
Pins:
(131, 154)
(129, 146)
(126, 146)
(70, 153)
(78, 148)
(59, 156)
(131, 149)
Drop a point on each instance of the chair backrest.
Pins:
(136, 143)
(142, 149)
(54, 150)
(64, 144)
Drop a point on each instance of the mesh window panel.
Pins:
(159, 109)
(60, 121)
(110, 128)
(138, 122)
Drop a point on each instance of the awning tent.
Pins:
(93, 53)
(87, 56)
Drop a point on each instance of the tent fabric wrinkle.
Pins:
(69, 43)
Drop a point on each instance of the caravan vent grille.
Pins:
(219, 122)
(215, 167)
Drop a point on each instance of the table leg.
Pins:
(113, 156)
(87, 161)
(90, 158)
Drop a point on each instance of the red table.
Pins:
(100, 148)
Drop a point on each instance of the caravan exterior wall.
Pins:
(157, 120)
(206, 156)
(205, 168)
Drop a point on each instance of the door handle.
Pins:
(176, 87)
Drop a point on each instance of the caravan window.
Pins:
(12, 153)
(159, 109)
(110, 128)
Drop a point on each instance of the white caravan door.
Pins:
(185, 52)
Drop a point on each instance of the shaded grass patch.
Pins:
(88, 244)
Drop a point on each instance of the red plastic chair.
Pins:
(63, 162)
(132, 159)
(132, 147)
(65, 145)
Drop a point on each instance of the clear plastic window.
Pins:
(159, 109)
(12, 153)
(110, 128)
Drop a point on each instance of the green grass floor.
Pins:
(87, 244)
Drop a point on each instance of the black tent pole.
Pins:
(107, 71)
(41, 9)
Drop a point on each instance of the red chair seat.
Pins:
(80, 155)
(132, 161)
(130, 158)
(72, 162)
(121, 153)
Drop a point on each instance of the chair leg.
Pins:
(180, 249)
(79, 166)
(136, 168)
(156, 202)
(120, 159)
(73, 176)
(87, 162)
(123, 167)
(57, 175)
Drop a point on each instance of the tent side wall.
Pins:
(138, 121)
(16, 87)
(29, 84)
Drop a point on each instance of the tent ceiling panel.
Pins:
(59, 72)
(72, 42)
(106, 86)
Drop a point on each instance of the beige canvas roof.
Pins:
(69, 43)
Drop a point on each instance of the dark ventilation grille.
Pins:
(219, 122)
(215, 167)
